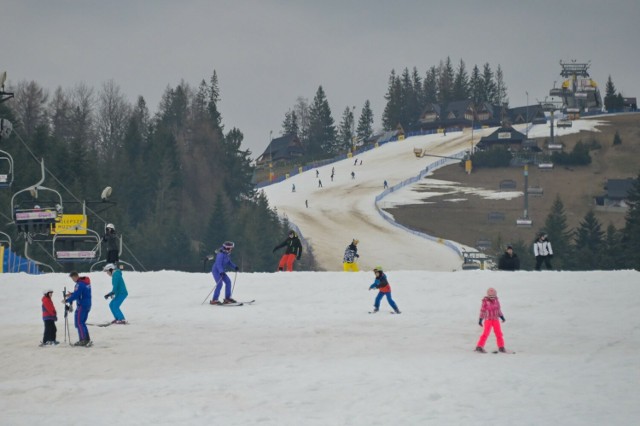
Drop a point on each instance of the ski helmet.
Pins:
(110, 226)
(491, 292)
(377, 269)
(228, 245)
(109, 267)
(47, 291)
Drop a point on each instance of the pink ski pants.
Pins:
(488, 325)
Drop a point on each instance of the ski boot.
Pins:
(215, 302)
(397, 311)
(502, 349)
(229, 300)
(480, 349)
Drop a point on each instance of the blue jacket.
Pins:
(119, 288)
(222, 263)
(82, 293)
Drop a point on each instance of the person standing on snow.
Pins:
(489, 313)
(82, 296)
(118, 293)
(219, 271)
(49, 316)
(349, 263)
(543, 251)
(509, 261)
(384, 290)
(292, 252)
(110, 238)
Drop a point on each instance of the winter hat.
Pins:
(109, 267)
(491, 292)
(509, 247)
(228, 245)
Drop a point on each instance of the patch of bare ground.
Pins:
(468, 221)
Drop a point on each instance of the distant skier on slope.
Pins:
(489, 313)
(292, 252)
(219, 271)
(349, 263)
(384, 290)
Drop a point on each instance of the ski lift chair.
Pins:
(76, 248)
(37, 219)
(6, 169)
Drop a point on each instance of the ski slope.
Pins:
(344, 208)
(308, 353)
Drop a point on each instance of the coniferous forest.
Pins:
(181, 182)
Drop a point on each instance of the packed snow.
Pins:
(307, 352)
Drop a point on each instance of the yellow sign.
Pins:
(70, 224)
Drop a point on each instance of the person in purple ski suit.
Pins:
(223, 261)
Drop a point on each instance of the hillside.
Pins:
(462, 217)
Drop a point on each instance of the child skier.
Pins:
(223, 261)
(349, 263)
(489, 313)
(384, 288)
(49, 316)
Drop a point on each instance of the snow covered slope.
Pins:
(307, 353)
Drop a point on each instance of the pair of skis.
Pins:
(237, 303)
(107, 324)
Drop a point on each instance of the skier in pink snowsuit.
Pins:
(490, 312)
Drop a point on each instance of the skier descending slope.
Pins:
(223, 261)
(384, 288)
(489, 313)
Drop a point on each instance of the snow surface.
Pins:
(307, 352)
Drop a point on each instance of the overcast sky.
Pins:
(269, 52)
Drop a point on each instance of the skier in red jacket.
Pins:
(49, 316)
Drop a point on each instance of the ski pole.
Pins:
(233, 287)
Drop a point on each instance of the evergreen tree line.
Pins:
(409, 93)
(613, 100)
(589, 246)
(181, 183)
(321, 138)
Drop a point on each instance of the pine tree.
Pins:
(322, 132)
(488, 85)
(290, 124)
(588, 243)
(430, 87)
(631, 232)
(612, 250)
(610, 95)
(445, 81)
(501, 97)
(559, 235)
(214, 99)
(392, 114)
(461, 83)
(476, 86)
(365, 123)
(345, 131)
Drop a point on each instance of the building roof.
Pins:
(619, 188)
(282, 148)
(504, 135)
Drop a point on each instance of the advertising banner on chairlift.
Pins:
(70, 224)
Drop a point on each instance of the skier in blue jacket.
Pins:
(82, 296)
(118, 293)
(223, 261)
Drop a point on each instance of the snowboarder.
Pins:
(489, 313)
(291, 253)
(110, 238)
(384, 289)
(118, 293)
(543, 251)
(82, 296)
(349, 263)
(219, 271)
(509, 261)
(49, 316)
